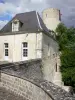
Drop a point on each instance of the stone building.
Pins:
(27, 37)
(51, 18)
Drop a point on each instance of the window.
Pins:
(15, 26)
(25, 52)
(15, 22)
(6, 45)
(21, 24)
(25, 44)
(25, 49)
(6, 49)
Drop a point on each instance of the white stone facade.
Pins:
(15, 46)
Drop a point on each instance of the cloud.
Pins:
(17, 6)
(8, 8)
(13, 7)
(67, 8)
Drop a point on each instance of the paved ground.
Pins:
(6, 95)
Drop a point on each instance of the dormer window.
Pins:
(15, 22)
(15, 25)
(21, 24)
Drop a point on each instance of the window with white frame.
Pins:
(25, 49)
(15, 26)
(6, 48)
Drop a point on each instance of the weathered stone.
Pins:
(32, 86)
(7, 95)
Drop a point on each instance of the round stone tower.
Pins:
(51, 18)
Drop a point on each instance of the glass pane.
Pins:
(6, 45)
(25, 44)
(6, 52)
(25, 52)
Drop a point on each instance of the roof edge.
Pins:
(38, 21)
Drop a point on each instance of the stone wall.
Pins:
(23, 88)
(30, 69)
(49, 58)
(33, 89)
(14, 77)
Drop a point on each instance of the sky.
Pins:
(9, 8)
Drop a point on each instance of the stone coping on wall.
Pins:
(30, 69)
(10, 64)
(54, 91)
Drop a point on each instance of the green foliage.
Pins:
(67, 59)
(66, 40)
(69, 76)
(61, 29)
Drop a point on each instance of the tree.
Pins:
(61, 28)
(61, 37)
(66, 41)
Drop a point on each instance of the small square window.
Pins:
(25, 44)
(6, 45)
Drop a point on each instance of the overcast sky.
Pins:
(8, 9)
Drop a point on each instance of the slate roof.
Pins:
(32, 22)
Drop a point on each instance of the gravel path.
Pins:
(6, 95)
